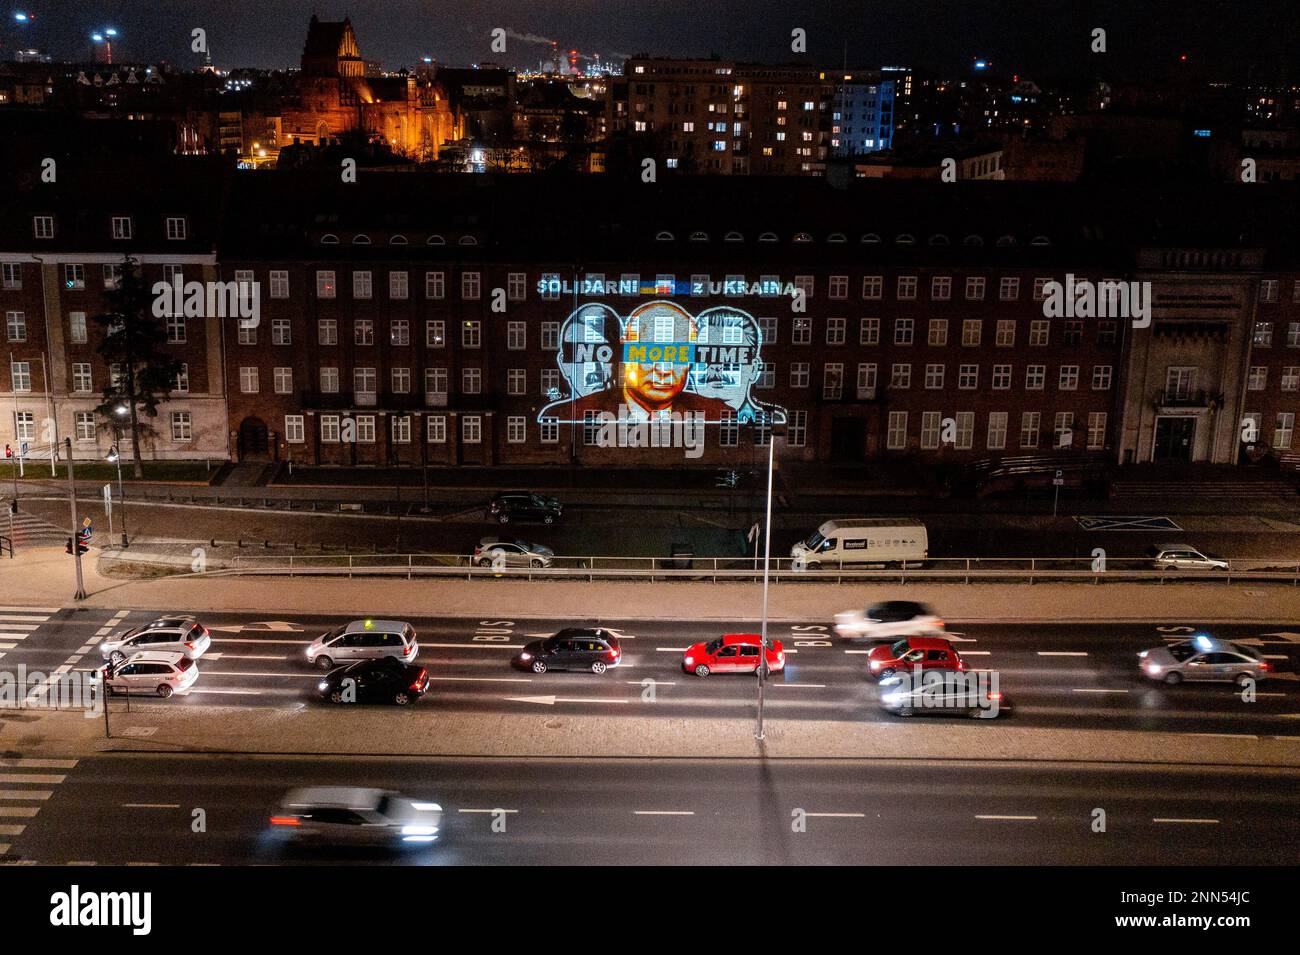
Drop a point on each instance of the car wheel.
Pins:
(164, 690)
(116, 657)
(548, 519)
(539, 666)
(401, 698)
(813, 565)
(485, 562)
(336, 696)
(503, 519)
(324, 663)
(599, 666)
(1173, 679)
(903, 712)
(1243, 679)
(701, 670)
(536, 564)
(886, 673)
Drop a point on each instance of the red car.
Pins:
(732, 653)
(929, 653)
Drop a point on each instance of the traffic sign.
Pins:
(1060, 478)
(22, 449)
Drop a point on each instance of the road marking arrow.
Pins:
(263, 626)
(552, 700)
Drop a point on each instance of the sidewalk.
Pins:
(44, 577)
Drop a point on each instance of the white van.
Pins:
(864, 540)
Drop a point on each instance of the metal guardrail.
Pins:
(6, 544)
(962, 569)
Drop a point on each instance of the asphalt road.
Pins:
(1063, 675)
(144, 809)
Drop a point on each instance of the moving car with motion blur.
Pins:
(385, 680)
(1184, 557)
(888, 620)
(348, 815)
(732, 653)
(151, 672)
(574, 648)
(1206, 659)
(912, 654)
(510, 506)
(955, 694)
(864, 542)
(511, 553)
(363, 640)
(180, 634)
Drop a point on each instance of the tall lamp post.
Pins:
(106, 37)
(767, 560)
(115, 458)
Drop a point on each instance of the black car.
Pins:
(382, 680)
(575, 648)
(510, 506)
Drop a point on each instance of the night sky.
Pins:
(1222, 39)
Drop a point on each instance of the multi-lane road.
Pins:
(1061, 675)
(185, 809)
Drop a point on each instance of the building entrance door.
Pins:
(1175, 438)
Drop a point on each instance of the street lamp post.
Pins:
(114, 457)
(767, 561)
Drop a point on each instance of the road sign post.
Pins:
(108, 509)
(1056, 489)
(72, 507)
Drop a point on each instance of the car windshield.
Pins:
(331, 634)
(713, 646)
(899, 648)
(1181, 651)
(814, 542)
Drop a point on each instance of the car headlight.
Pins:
(418, 830)
(875, 664)
(892, 697)
(427, 806)
(1153, 668)
(323, 685)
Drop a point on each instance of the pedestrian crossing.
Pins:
(25, 787)
(19, 623)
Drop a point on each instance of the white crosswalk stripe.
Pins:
(27, 781)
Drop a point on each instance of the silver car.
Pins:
(1183, 557)
(514, 553)
(183, 635)
(1204, 658)
(349, 815)
(364, 640)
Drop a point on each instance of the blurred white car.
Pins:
(352, 815)
(151, 671)
(889, 619)
(1182, 557)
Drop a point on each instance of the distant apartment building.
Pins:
(862, 115)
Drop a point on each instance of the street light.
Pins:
(767, 560)
(115, 458)
(106, 37)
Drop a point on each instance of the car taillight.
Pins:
(189, 645)
(408, 649)
(1265, 665)
(613, 654)
(939, 624)
(995, 696)
(420, 680)
(285, 821)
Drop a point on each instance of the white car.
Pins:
(350, 815)
(182, 635)
(1183, 557)
(152, 672)
(888, 620)
(364, 640)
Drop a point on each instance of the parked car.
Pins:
(1204, 658)
(510, 506)
(926, 653)
(151, 671)
(574, 648)
(889, 619)
(860, 541)
(1183, 557)
(347, 815)
(966, 697)
(364, 640)
(182, 635)
(385, 680)
(515, 553)
(732, 653)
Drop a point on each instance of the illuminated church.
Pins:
(335, 96)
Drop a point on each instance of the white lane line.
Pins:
(653, 681)
(836, 815)
(20, 631)
(1009, 818)
(22, 618)
(1226, 735)
(6, 635)
(7, 646)
(1093, 689)
(672, 649)
(859, 652)
(47, 610)
(81, 862)
(1194, 822)
(483, 679)
(474, 646)
(243, 656)
(1062, 653)
(230, 692)
(20, 762)
(488, 810)
(11, 830)
(19, 812)
(144, 863)
(301, 676)
(26, 793)
(151, 805)
(802, 686)
(662, 812)
(1276, 656)
(296, 643)
(975, 653)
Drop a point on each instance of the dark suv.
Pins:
(510, 506)
(575, 648)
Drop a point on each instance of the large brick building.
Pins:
(419, 318)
